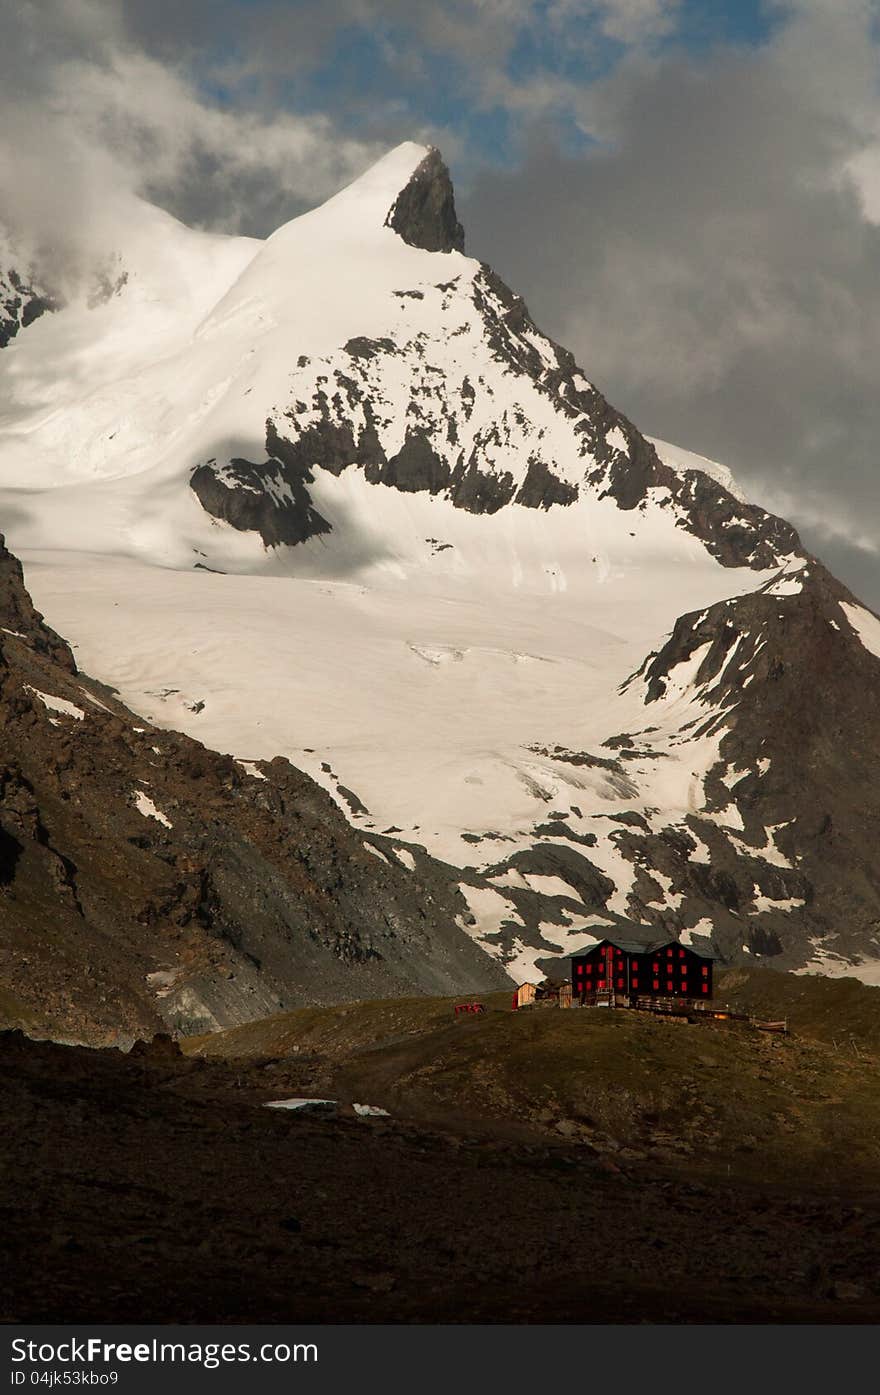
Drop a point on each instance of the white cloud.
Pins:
(87, 121)
(637, 21)
(628, 21)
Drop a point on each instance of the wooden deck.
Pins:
(691, 1009)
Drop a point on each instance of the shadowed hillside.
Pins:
(712, 1097)
(203, 1206)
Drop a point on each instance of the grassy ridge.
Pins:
(710, 1097)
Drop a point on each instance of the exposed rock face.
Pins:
(269, 498)
(21, 302)
(424, 211)
(626, 464)
(541, 489)
(794, 696)
(146, 882)
(19, 618)
(772, 701)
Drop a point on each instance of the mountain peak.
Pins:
(423, 213)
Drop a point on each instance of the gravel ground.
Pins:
(154, 1188)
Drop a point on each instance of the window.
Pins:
(669, 953)
(705, 988)
(656, 984)
(705, 971)
(620, 983)
(669, 985)
(601, 983)
(684, 985)
(656, 967)
(681, 954)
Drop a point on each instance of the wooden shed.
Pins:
(618, 970)
(524, 996)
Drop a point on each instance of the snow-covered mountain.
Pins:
(334, 496)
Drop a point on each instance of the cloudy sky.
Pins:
(687, 192)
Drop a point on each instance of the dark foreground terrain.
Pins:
(647, 1171)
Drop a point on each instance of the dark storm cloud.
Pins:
(712, 267)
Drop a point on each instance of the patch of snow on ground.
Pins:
(94, 701)
(571, 939)
(683, 675)
(144, 805)
(377, 852)
(489, 908)
(57, 704)
(522, 964)
(702, 852)
(769, 852)
(550, 886)
(668, 897)
(733, 777)
(617, 440)
(248, 765)
(789, 582)
(827, 964)
(866, 626)
(606, 855)
(766, 903)
(511, 878)
(580, 941)
(702, 927)
(300, 1102)
(731, 819)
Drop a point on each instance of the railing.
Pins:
(676, 1007)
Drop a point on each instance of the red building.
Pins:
(623, 970)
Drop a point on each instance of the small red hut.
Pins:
(622, 970)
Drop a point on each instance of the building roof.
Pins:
(646, 946)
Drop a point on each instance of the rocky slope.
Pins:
(775, 697)
(792, 693)
(145, 880)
